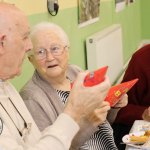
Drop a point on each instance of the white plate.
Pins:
(144, 127)
(126, 138)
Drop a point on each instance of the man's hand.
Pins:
(84, 100)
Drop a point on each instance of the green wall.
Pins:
(145, 19)
(129, 18)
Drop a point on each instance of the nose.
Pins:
(49, 56)
(29, 45)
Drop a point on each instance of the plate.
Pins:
(144, 127)
(126, 139)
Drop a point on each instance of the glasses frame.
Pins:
(62, 48)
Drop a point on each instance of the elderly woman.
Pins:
(46, 93)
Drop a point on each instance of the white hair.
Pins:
(53, 27)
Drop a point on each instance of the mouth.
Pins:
(52, 66)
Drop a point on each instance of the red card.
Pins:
(95, 77)
(117, 91)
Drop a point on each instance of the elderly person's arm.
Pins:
(82, 102)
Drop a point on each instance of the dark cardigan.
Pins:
(139, 95)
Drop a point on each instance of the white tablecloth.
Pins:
(136, 127)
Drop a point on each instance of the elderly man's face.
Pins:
(16, 43)
(19, 44)
(54, 64)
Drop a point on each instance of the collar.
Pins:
(1, 80)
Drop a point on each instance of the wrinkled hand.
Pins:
(146, 114)
(122, 102)
(84, 100)
(99, 115)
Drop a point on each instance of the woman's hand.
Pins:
(146, 114)
(113, 112)
(122, 102)
(98, 116)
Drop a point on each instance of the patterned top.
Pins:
(63, 95)
(102, 139)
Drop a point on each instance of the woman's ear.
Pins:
(30, 58)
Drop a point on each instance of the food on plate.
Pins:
(147, 133)
(139, 139)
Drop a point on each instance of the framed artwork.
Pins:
(88, 11)
(120, 5)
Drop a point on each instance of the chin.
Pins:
(53, 73)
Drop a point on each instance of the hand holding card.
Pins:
(117, 91)
(95, 77)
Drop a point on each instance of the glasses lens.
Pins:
(56, 50)
(41, 53)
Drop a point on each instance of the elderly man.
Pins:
(17, 128)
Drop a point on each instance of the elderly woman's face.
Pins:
(50, 54)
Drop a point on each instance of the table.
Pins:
(135, 128)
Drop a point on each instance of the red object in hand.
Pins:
(94, 77)
(117, 91)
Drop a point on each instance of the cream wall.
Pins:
(38, 6)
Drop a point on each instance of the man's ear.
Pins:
(2, 40)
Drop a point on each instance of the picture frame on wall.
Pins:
(120, 5)
(88, 12)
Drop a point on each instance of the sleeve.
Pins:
(85, 132)
(137, 95)
(58, 136)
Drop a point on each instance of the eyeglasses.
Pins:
(55, 50)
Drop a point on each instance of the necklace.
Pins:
(27, 126)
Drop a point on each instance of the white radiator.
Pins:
(105, 48)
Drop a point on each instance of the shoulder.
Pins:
(74, 68)
(30, 90)
(73, 71)
(140, 58)
(142, 52)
